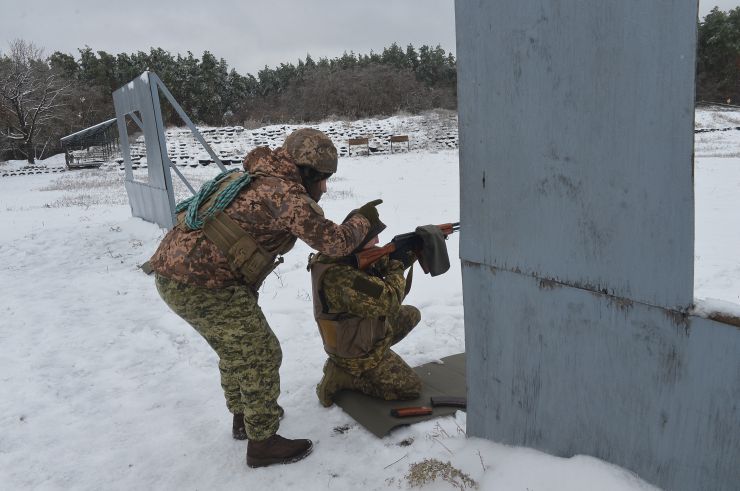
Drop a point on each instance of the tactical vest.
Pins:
(344, 335)
(245, 256)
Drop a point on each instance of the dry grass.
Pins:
(88, 200)
(335, 194)
(86, 180)
(430, 470)
(88, 188)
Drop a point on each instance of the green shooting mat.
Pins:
(438, 379)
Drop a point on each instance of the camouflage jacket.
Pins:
(363, 303)
(275, 209)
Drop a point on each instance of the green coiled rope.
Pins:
(194, 218)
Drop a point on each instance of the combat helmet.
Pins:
(310, 148)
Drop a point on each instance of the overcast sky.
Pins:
(247, 34)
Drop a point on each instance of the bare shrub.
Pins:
(31, 99)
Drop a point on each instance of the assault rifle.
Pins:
(401, 245)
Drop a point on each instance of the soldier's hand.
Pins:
(395, 266)
(370, 212)
(381, 265)
(408, 259)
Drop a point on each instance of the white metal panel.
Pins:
(571, 372)
(576, 143)
(152, 200)
(576, 137)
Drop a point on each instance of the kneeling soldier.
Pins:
(360, 316)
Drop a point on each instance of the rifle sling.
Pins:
(409, 279)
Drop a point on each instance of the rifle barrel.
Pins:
(449, 228)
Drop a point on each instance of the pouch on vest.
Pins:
(350, 336)
(244, 254)
(328, 331)
(343, 335)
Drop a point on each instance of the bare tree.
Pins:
(31, 96)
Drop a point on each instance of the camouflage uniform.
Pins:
(374, 298)
(194, 278)
(249, 353)
(275, 209)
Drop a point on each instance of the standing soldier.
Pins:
(228, 238)
(360, 316)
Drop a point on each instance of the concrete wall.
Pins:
(576, 152)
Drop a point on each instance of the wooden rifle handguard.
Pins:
(410, 411)
(367, 257)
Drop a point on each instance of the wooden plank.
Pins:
(358, 141)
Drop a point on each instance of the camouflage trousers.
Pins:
(392, 378)
(249, 353)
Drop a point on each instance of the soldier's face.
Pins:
(316, 189)
(373, 242)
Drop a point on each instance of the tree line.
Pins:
(45, 97)
(718, 57)
(350, 86)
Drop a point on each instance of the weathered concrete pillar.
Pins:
(576, 156)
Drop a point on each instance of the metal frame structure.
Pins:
(153, 200)
(92, 146)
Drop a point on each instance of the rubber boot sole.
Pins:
(255, 462)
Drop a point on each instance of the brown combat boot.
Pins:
(277, 450)
(334, 380)
(239, 430)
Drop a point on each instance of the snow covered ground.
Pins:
(104, 388)
(717, 209)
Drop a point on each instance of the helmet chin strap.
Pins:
(314, 189)
(311, 180)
